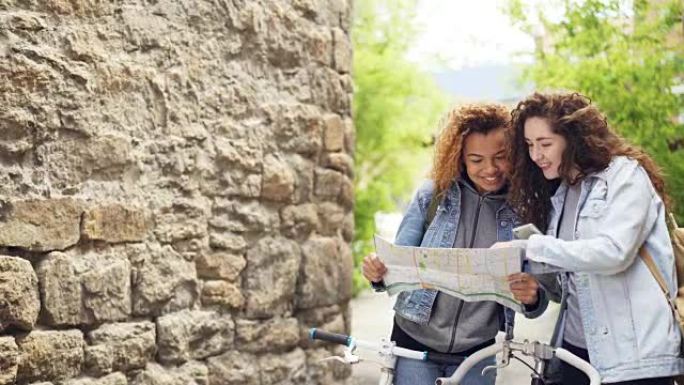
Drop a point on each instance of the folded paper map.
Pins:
(469, 274)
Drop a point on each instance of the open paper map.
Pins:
(469, 274)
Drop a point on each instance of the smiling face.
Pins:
(545, 146)
(484, 156)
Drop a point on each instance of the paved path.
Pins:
(372, 320)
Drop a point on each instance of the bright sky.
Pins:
(466, 33)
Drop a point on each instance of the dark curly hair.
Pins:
(591, 145)
(456, 126)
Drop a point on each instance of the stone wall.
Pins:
(175, 190)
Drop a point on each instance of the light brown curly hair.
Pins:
(460, 122)
(591, 145)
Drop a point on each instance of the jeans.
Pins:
(414, 372)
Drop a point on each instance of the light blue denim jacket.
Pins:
(416, 305)
(628, 325)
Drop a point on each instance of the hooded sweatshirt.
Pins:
(457, 326)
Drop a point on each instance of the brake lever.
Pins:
(505, 359)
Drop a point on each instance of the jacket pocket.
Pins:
(593, 208)
(416, 305)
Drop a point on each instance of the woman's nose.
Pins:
(534, 154)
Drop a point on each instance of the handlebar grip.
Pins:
(341, 339)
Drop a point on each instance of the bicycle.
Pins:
(389, 352)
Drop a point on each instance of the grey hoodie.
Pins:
(456, 325)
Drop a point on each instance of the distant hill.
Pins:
(495, 82)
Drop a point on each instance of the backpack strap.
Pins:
(648, 260)
(671, 222)
(432, 208)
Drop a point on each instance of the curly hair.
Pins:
(456, 126)
(591, 145)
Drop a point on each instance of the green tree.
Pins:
(395, 111)
(626, 56)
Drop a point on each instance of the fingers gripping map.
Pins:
(469, 274)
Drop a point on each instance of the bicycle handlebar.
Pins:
(468, 363)
(351, 342)
(528, 348)
(341, 339)
(535, 349)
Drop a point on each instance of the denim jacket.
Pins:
(629, 328)
(416, 305)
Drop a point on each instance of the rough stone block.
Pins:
(60, 290)
(218, 265)
(274, 335)
(325, 372)
(40, 225)
(342, 51)
(227, 241)
(298, 127)
(19, 300)
(277, 368)
(326, 273)
(330, 217)
(111, 379)
(196, 334)
(229, 182)
(330, 90)
(162, 280)
(233, 368)
(243, 153)
(328, 183)
(191, 373)
(114, 223)
(183, 219)
(346, 197)
(319, 46)
(85, 289)
(240, 216)
(334, 132)
(9, 360)
(304, 171)
(348, 227)
(106, 284)
(222, 293)
(299, 221)
(50, 355)
(339, 161)
(120, 347)
(74, 161)
(278, 182)
(349, 136)
(270, 276)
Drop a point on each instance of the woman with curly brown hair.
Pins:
(599, 199)
(469, 183)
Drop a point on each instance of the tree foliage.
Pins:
(395, 111)
(626, 56)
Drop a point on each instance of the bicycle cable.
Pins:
(530, 367)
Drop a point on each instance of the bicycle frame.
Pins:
(389, 352)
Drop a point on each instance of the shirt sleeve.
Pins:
(411, 229)
(619, 233)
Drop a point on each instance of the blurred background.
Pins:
(414, 59)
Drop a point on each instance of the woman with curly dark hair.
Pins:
(602, 203)
(469, 184)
